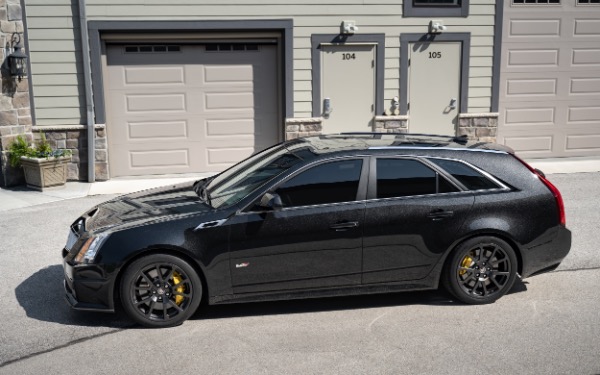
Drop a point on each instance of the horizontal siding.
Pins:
(55, 45)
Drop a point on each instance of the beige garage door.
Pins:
(550, 78)
(189, 108)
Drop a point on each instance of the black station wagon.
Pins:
(322, 216)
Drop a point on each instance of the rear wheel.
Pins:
(160, 290)
(480, 270)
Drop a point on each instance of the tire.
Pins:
(480, 270)
(160, 290)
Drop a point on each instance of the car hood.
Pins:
(138, 208)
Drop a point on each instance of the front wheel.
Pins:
(480, 270)
(160, 290)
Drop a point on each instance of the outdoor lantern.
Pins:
(16, 63)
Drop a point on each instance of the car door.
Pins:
(314, 240)
(413, 215)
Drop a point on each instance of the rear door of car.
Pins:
(314, 240)
(413, 215)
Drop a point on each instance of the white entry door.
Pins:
(348, 85)
(434, 87)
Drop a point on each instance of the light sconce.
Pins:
(15, 63)
(437, 26)
(349, 27)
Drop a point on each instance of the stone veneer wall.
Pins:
(391, 124)
(478, 126)
(74, 138)
(15, 113)
(303, 127)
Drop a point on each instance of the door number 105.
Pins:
(435, 55)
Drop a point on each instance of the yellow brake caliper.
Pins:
(179, 288)
(467, 262)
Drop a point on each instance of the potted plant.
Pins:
(43, 166)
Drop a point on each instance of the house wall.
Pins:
(15, 114)
(56, 47)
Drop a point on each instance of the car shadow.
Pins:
(42, 297)
(301, 306)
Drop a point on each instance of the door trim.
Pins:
(406, 39)
(335, 39)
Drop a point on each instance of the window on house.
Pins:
(231, 47)
(588, 2)
(541, 2)
(152, 49)
(437, 2)
(436, 8)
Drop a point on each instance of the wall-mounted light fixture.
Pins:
(349, 27)
(15, 63)
(437, 26)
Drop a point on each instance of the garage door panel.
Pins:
(586, 142)
(518, 117)
(219, 157)
(155, 102)
(157, 158)
(190, 111)
(531, 144)
(230, 127)
(229, 73)
(587, 27)
(157, 130)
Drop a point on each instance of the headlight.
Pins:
(90, 248)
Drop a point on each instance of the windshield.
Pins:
(237, 182)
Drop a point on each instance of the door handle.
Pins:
(437, 215)
(338, 227)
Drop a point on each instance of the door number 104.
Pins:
(348, 56)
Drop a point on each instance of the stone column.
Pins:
(15, 112)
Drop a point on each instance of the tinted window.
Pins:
(325, 183)
(472, 179)
(404, 177)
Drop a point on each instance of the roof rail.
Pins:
(460, 139)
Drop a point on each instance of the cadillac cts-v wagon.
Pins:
(322, 216)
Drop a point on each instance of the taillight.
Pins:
(553, 189)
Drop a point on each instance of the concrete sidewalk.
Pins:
(21, 196)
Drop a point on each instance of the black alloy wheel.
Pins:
(160, 290)
(480, 270)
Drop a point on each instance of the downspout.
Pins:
(87, 79)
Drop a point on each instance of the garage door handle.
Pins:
(339, 227)
(437, 215)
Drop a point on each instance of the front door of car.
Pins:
(413, 218)
(314, 240)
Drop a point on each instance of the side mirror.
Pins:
(271, 201)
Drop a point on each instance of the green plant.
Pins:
(21, 148)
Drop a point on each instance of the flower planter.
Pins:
(41, 173)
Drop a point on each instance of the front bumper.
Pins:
(87, 288)
(547, 257)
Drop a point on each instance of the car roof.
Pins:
(333, 143)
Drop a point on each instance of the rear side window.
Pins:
(333, 182)
(406, 177)
(472, 179)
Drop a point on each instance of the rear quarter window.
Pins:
(466, 175)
